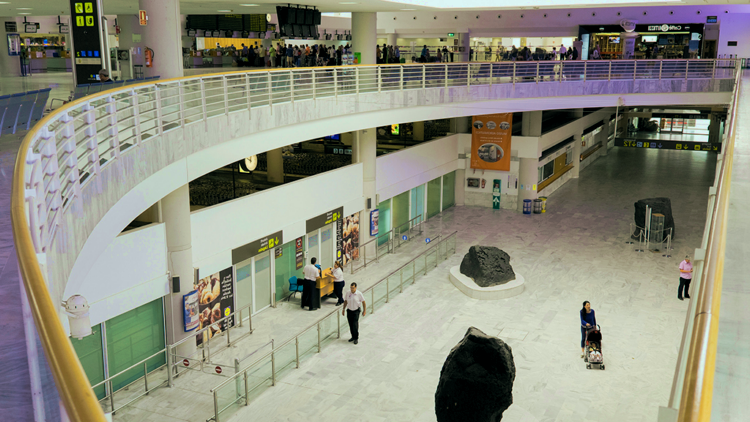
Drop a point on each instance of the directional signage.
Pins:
(324, 219)
(657, 144)
(86, 36)
(257, 247)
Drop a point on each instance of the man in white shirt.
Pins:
(563, 51)
(338, 282)
(355, 301)
(311, 275)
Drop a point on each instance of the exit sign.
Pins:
(451, 34)
(712, 19)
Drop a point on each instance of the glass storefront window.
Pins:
(327, 243)
(286, 267)
(384, 221)
(244, 285)
(417, 201)
(401, 212)
(262, 282)
(433, 197)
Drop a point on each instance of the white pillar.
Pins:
(418, 131)
(714, 129)
(577, 153)
(604, 135)
(627, 42)
(275, 171)
(365, 36)
(129, 26)
(531, 124)
(528, 176)
(9, 65)
(163, 35)
(176, 215)
(391, 39)
(364, 151)
(578, 113)
(464, 42)
(461, 124)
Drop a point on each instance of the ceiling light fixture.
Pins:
(224, 10)
(408, 9)
(249, 5)
(24, 8)
(24, 13)
(348, 2)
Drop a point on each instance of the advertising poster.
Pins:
(339, 239)
(298, 254)
(215, 301)
(350, 238)
(191, 310)
(374, 220)
(490, 141)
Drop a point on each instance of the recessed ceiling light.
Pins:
(4, 2)
(249, 5)
(24, 13)
(24, 8)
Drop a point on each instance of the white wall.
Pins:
(131, 271)
(734, 27)
(401, 171)
(219, 229)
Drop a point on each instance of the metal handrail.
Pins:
(363, 251)
(695, 392)
(60, 157)
(261, 360)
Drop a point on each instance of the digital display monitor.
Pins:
(649, 38)
(614, 40)
(395, 129)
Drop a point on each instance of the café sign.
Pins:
(664, 28)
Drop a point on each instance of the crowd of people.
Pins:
(287, 55)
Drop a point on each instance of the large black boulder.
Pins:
(487, 266)
(658, 206)
(476, 382)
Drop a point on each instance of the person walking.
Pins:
(686, 276)
(355, 302)
(588, 321)
(311, 276)
(338, 282)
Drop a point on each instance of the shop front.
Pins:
(254, 268)
(652, 41)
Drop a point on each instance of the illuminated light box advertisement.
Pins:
(215, 301)
(374, 220)
(192, 312)
(490, 141)
(350, 238)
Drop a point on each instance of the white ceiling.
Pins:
(117, 7)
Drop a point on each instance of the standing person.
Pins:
(272, 57)
(311, 276)
(354, 302)
(439, 56)
(563, 51)
(575, 53)
(513, 53)
(289, 55)
(686, 276)
(262, 56)
(445, 54)
(554, 53)
(596, 54)
(377, 54)
(338, 282)
(451, 55)
(588, 320)
(424, 54)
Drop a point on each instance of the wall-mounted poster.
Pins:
(191, 311)
(350, 238)
(374, 220)
(215, 301)
(299, 256)
(490, 141)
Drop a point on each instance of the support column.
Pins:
(461, 124)
(365, 35)
(714, 129)
(577, 153)
(418, 131)
(392, 39)
(164, 36)
(275, 173)
(528, 176)
(577, 113)
(531, 124)
(129, 26)
(464, 42)
(9, 65)
(176, 216)
(364, 151)
(459, 188)
(627, 41)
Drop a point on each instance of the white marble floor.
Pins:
(575, 252)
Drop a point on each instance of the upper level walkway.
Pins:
(108, 157)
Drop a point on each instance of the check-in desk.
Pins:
(323, 287)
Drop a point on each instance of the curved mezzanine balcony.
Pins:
(107, 156)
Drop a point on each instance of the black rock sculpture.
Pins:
(476, 382)
(658, 206)
(487, 266)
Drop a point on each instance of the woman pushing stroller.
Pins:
(588, 321)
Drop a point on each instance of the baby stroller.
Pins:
(593, 355)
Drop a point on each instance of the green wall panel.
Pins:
(91, 354)
(433, 198)
(285, 268)
(449, 190)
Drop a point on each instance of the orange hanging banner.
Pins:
(490, 141)
(142, 17)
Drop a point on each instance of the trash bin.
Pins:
(537, 206)
(544, 203)
(527, 206)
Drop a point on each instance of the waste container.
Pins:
(527, 206)
(537, 206)
(544, 203)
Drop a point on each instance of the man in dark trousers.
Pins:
(311, 275)
(686, 276)
(354, 303)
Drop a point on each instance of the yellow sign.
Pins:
(89, 7)
(79, 7)
(227, 311)
(89, 21)
(79, 21)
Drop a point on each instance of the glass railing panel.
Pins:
(407, 273)
(419, 265)
(394, 283)
(379, 295)
(308, 342)
(258, 378)
(230, 398)
(431, 259)
(329, 329)
(285, 358)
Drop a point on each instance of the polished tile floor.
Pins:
(575, 252)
